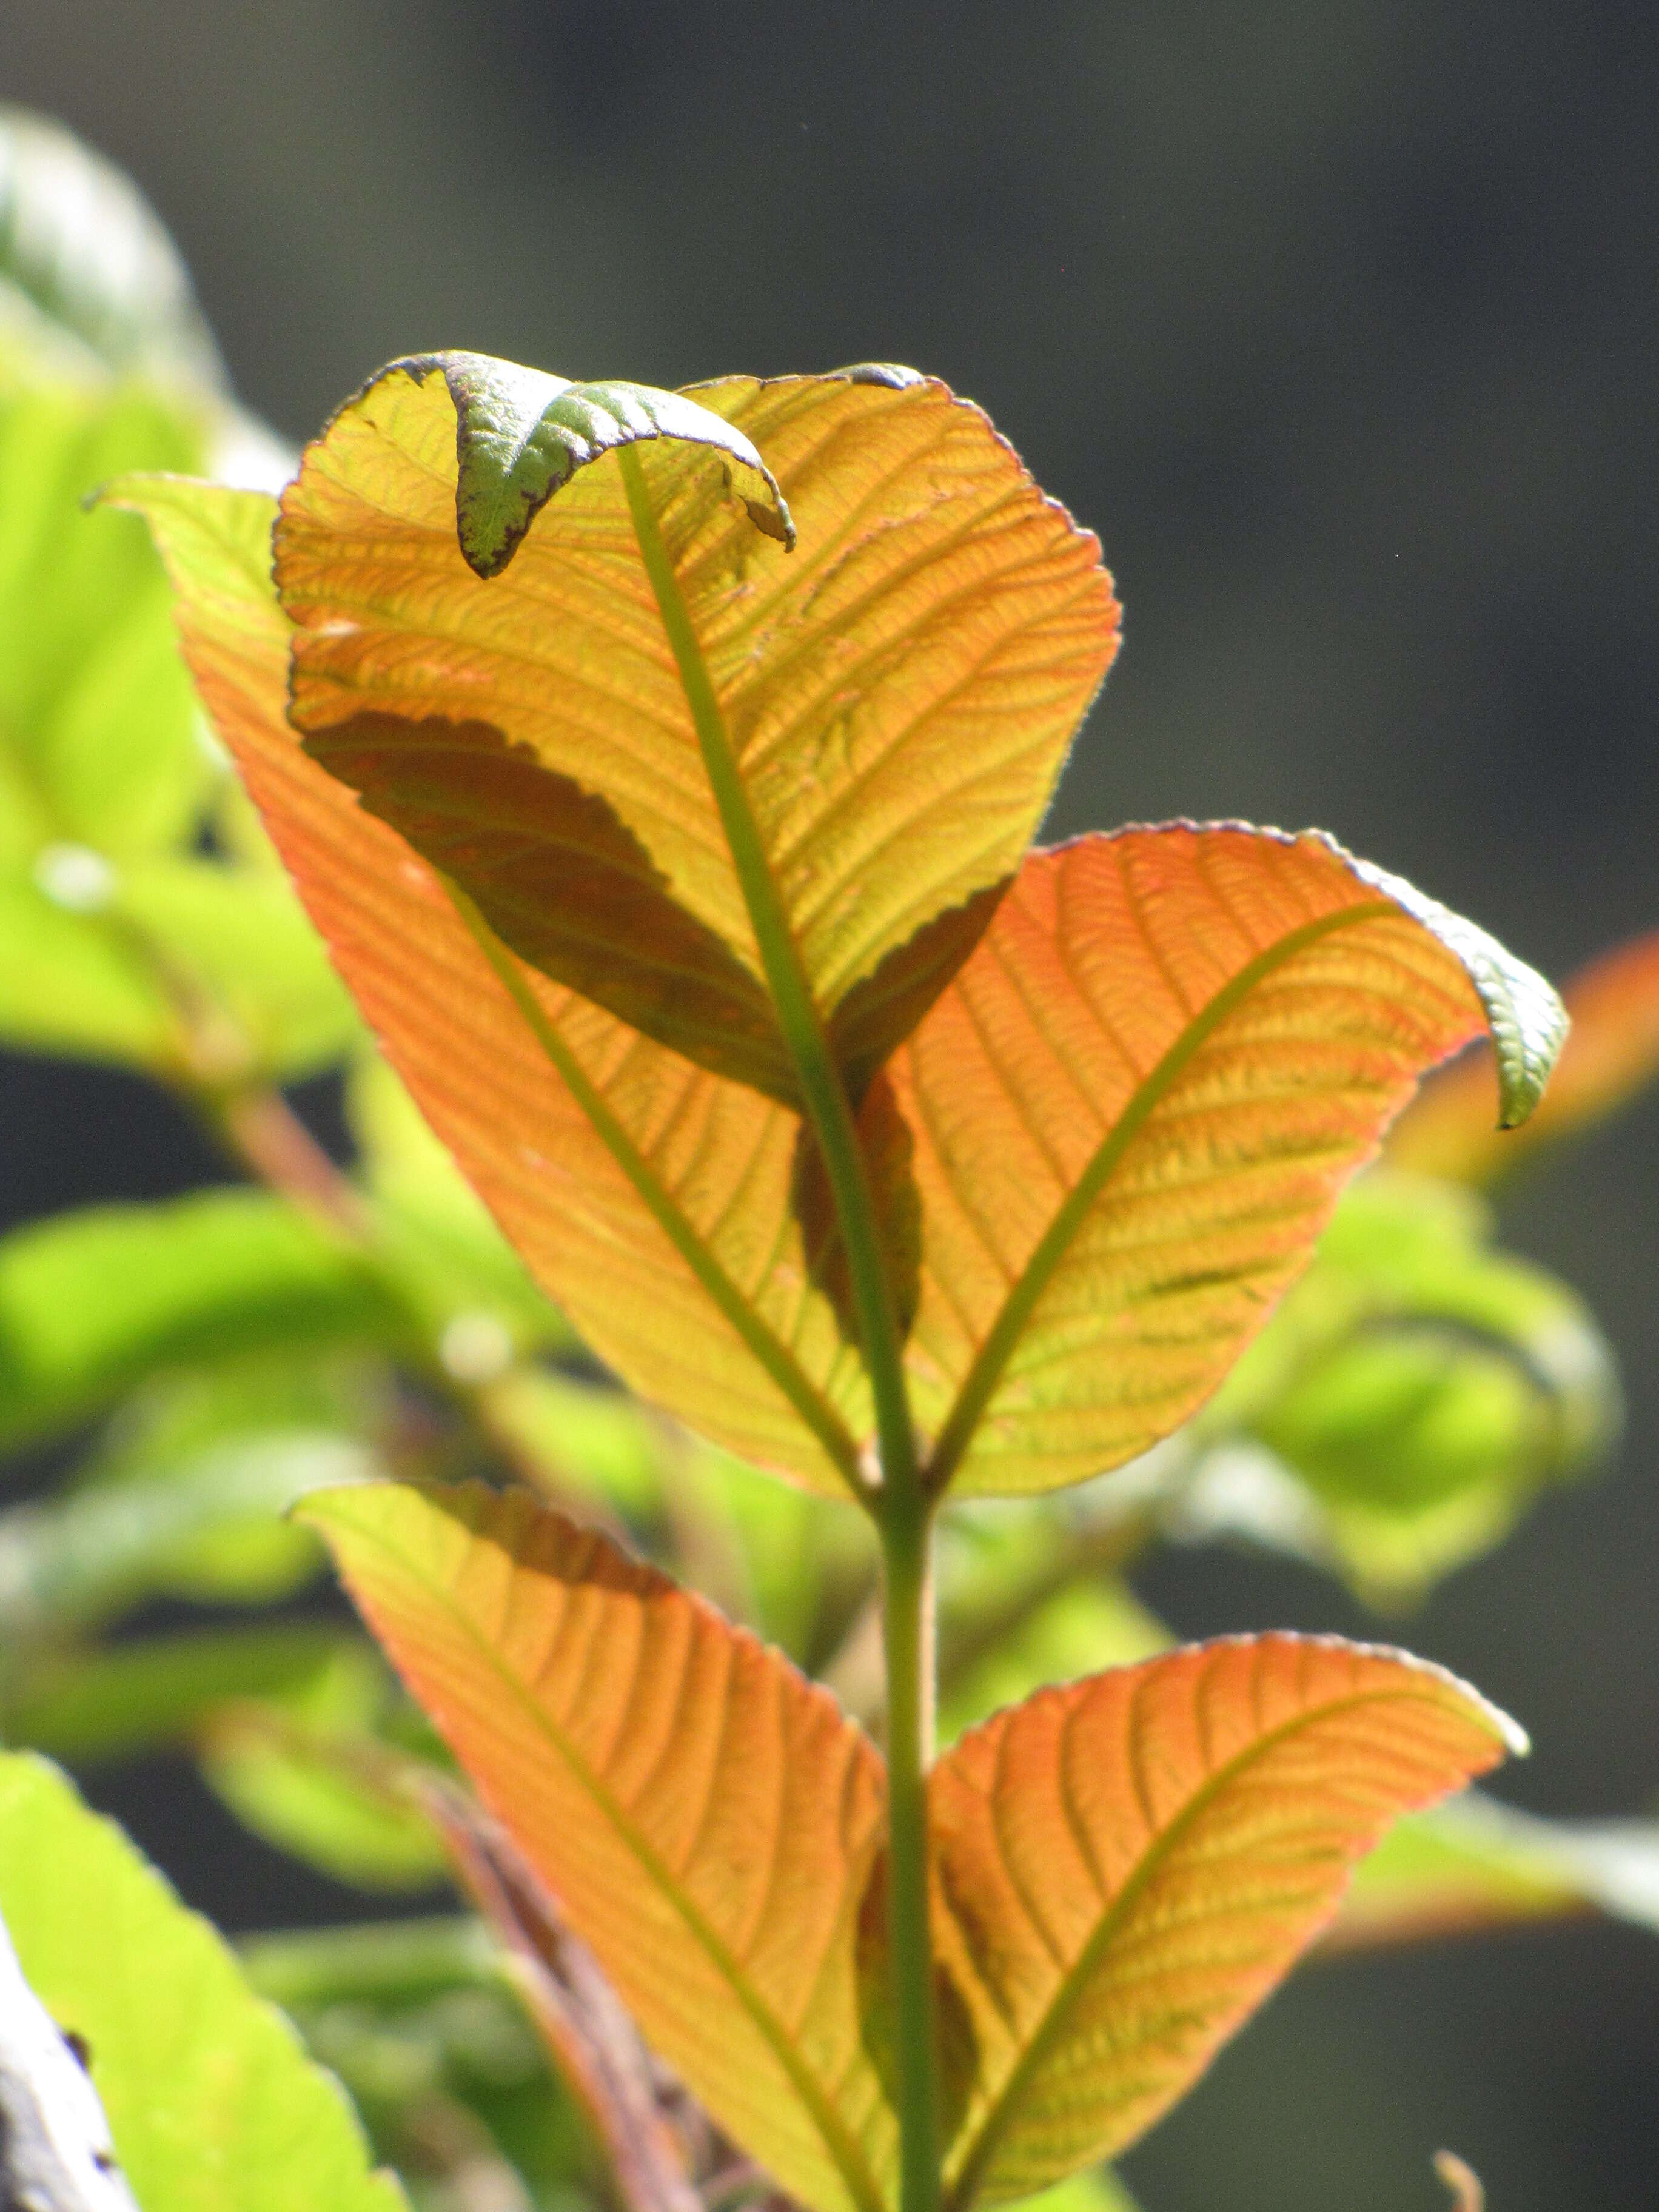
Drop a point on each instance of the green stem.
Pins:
(902, 1511)
(823, 1093)
(908, 1630)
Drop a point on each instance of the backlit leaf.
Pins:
(1133, 1112)
(1129, 1865)
(650, 1199)
(207, 1527)
(1478, 1864)
(1417, 1388)
(706, 1818)
(212, 2102)
(145, 1694)
(100, 744)
(68, 985)
(1612, 1050)
(87, 252)
(93, 1301)
(898, 692)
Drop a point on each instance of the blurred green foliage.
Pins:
(195, 1366)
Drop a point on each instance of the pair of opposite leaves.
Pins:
(665, 740)
(1121, 1869)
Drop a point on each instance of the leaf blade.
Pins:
(653, 1228)
(638, 1794)
(1133, 1110)
(900, 691)
(1610, 1052)
(1128, 1864)
(213, 2103)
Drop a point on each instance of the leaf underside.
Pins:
(1132, 1111)
(705, 1817)
(1128, 1865)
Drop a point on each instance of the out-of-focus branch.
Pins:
(594, 2042)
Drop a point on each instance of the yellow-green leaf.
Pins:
(1134, 1110)
(1125, 1866)
(898, 692)
(1610, 1052)
(649, 1198)
(212, 2101)
(706, 1818)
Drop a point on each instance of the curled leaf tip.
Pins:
(520, 435)
(890, 374)
(1527, 1019)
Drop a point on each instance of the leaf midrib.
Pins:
(1002, 1339)
(1156, 1855)
(849, 2165)
(769, 1352)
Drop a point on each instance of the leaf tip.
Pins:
(1524, 1013)
(521, 434)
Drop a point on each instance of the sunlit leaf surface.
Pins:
(650, 1199)
(899, 690)
(1612, 1050)
(213, 2103)
(1126, 1866)
(706, 1818)
(1133, 1112)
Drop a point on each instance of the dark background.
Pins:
(1337, 318)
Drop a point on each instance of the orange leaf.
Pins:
(706, 1818)
(650, 1199)
(899, 691)
(1134, 1110)
(1125, 1866)
(1612, 1050)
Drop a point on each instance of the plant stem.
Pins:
(823, 1093)
(900, 1506)
(907, 1635)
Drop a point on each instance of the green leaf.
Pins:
(322, 1770)
(209, 1527)
(212, 2103)
(1417, 1387)
(298, 1729)
(93, 1301)
(1476, 1863)
(303, 1792)
(1097, 2190)
(100, 737)
(520, 435)
(67, 984)
(419, 2018)
(88, 254)
(237, 937)
(145, 1695)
